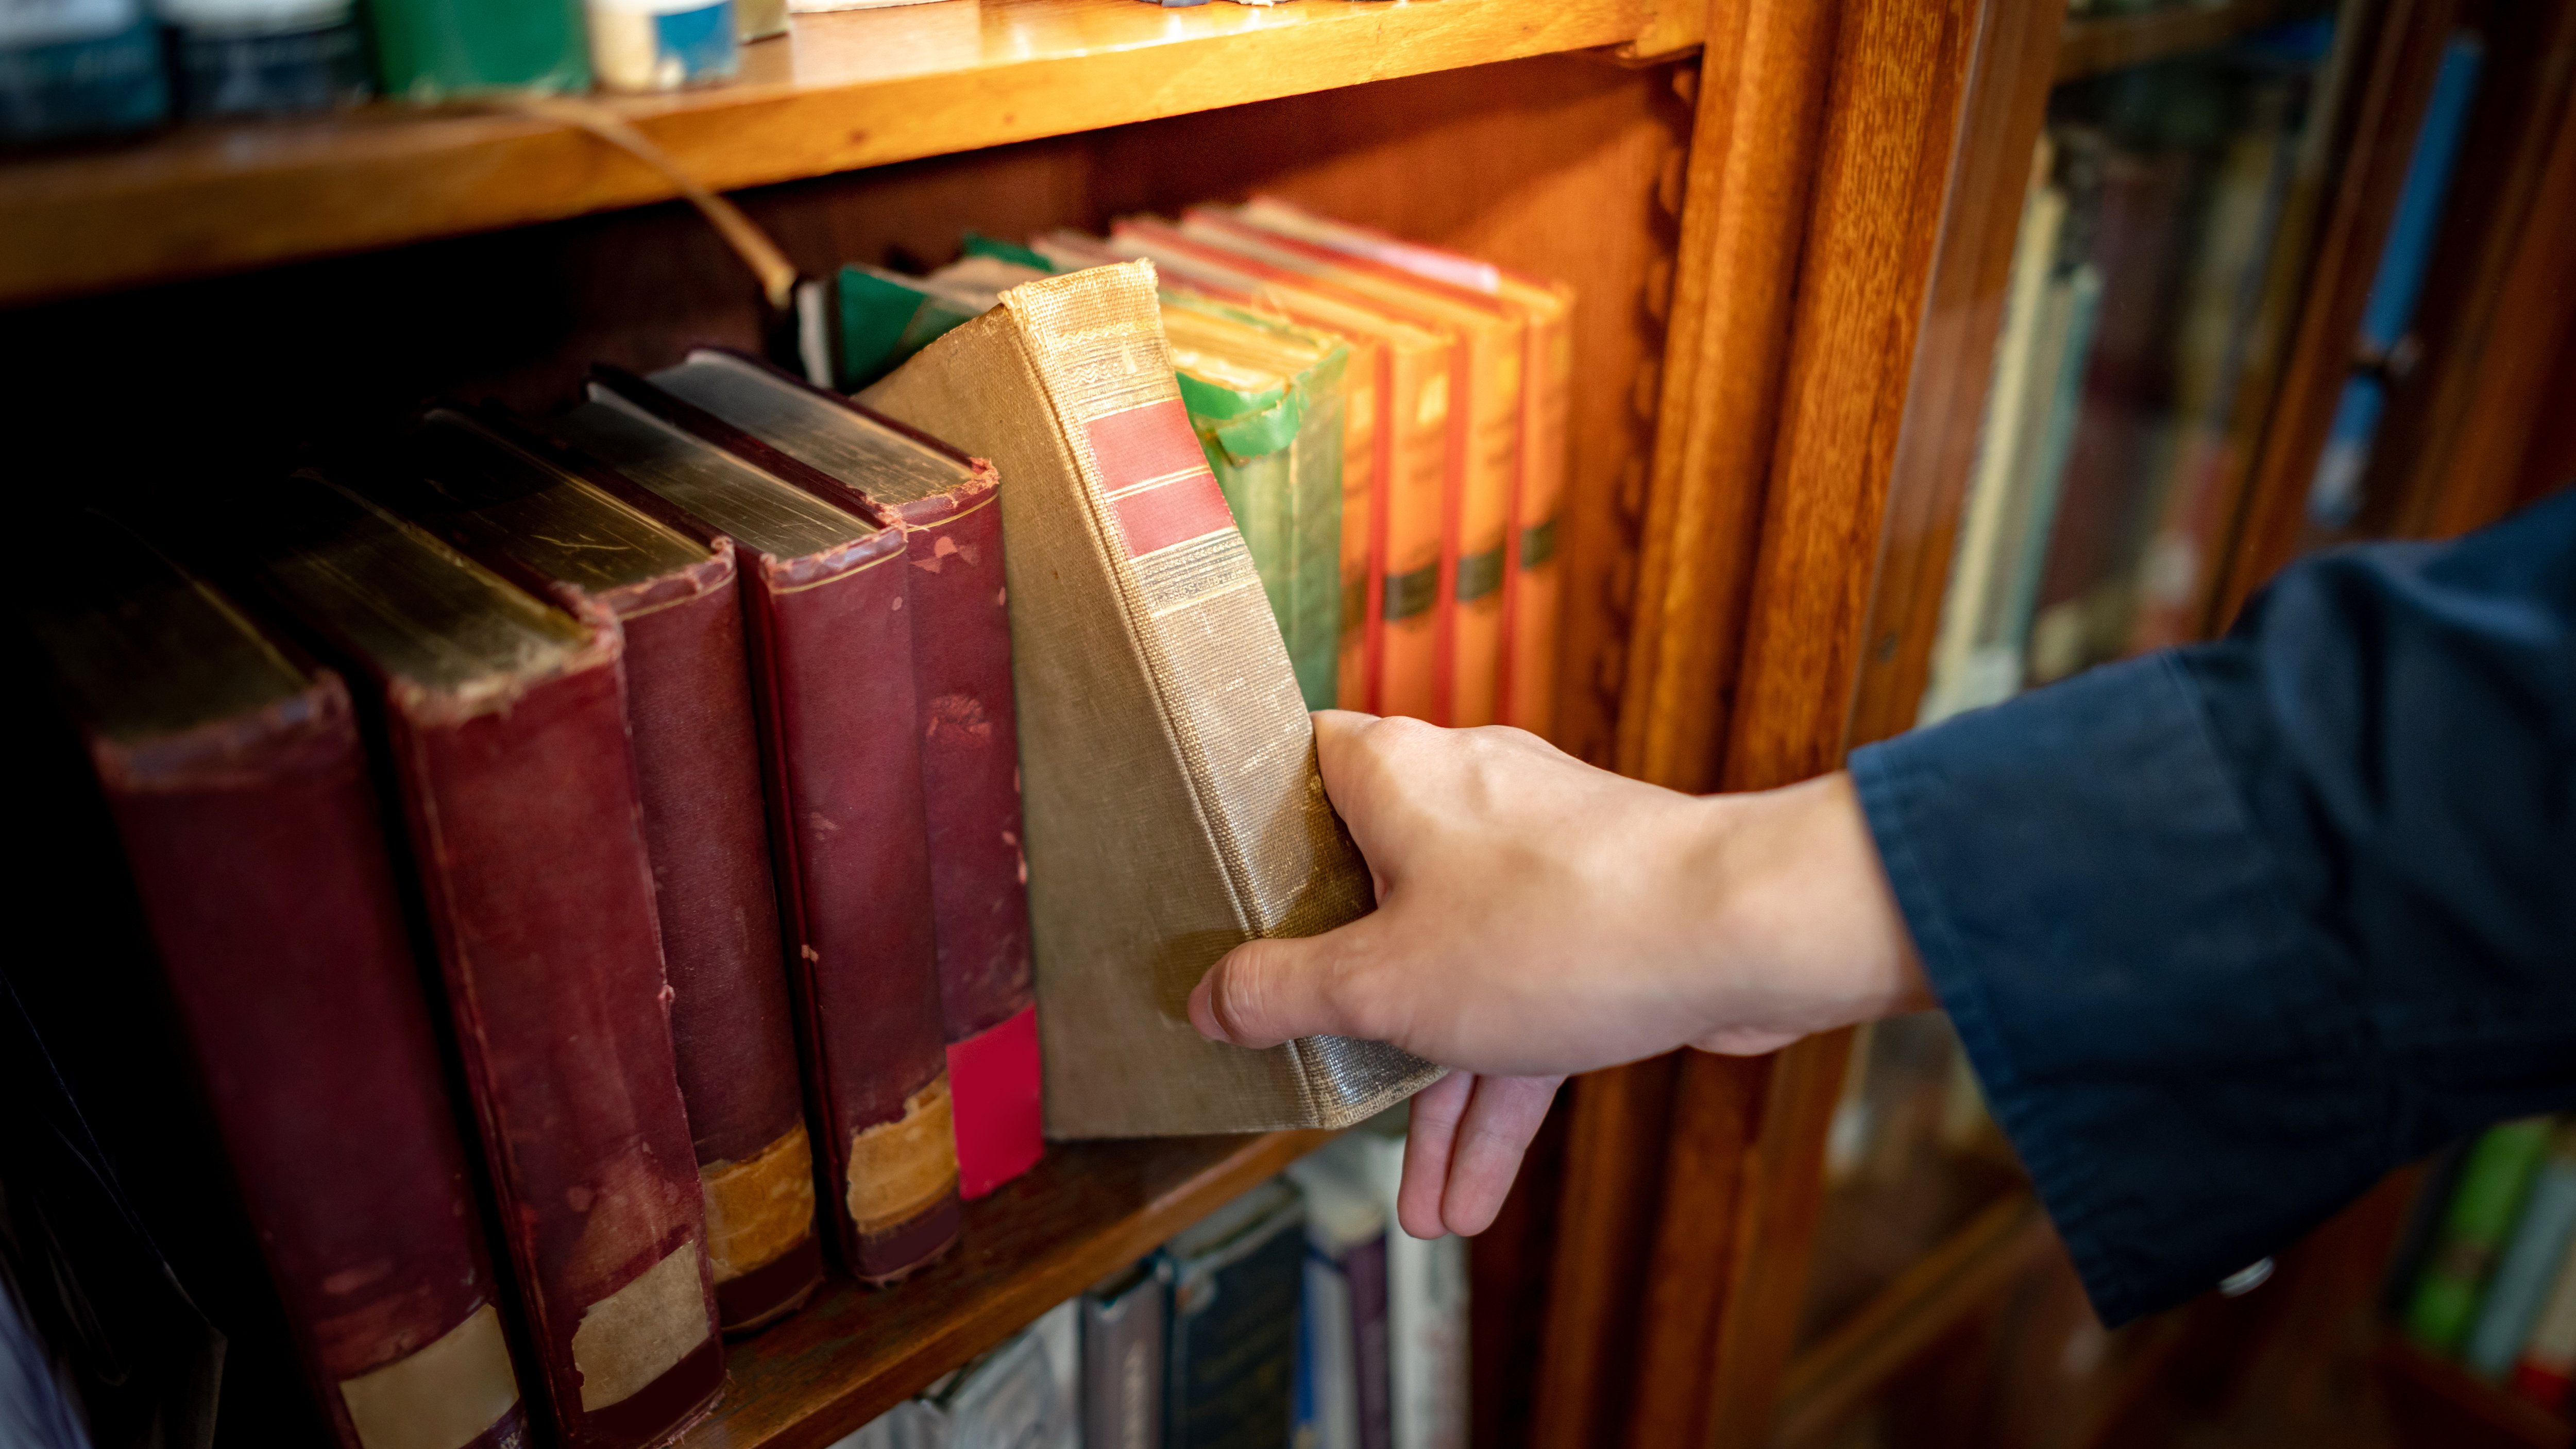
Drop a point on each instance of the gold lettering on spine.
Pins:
(439, 1397)
(760, 1207)
(902, 1168)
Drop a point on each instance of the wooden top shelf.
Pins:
(845, 90)
(2095, 44)
(1086, 1210)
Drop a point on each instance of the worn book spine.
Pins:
(1534, 583)
(255, 846)
(2490, 1195)
(1485, 434)
(1410, 470)
(1173, 806)
(528, 845)
(1426, 1295)
(968, 723)
(832, 653)
(1234, 1326)
(697, 763)
(79, 70)
(265, 57)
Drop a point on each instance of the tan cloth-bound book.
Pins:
(1173, 805)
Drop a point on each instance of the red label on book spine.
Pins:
(1000, 1110)
(1156, 479)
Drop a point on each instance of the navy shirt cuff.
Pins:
(2176, 1052)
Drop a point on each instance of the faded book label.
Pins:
(444, 1396)
(636, 1334)
(901, 1169)
(1155, 478)
(760, 1207)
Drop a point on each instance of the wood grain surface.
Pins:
(1087, 1210)
(842, 91)
(1945, 399)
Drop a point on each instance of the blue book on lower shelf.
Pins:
(74, 68)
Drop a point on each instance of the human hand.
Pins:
(1538, 917)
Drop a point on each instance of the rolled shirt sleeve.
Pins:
(2230, 931)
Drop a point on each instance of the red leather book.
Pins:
(825, 594)
(970, 751)
(514, 501)
(505, 728)
(238, 785)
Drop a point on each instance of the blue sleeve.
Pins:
(2230, 931)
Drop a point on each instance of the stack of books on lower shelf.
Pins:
(1296, 1315)
(2489, 1279)
(593, 874)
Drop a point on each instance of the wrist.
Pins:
(1805, 933)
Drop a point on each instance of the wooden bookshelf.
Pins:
(843, 91)
(1087, 1210)
(2094, 44)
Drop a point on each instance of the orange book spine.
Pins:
(1534, 588)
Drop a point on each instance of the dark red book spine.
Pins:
(527, 839)
(835, 651)
(970, 764)
(697, 759)
(697, 764)
(256, 849)
(832, 653)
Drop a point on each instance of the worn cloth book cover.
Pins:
(1266, 402)
(1173, 804)
(1236, 1279)
(1363, 588)
(505, 731)
(826, 593)
(1533, 580)
(1416, 448)
(510, 499)
(1484, 432)
(945, 507)
(238, 787)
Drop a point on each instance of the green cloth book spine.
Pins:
(883, 319)
(2492, 1187)
(1277, 454)
(429, 50)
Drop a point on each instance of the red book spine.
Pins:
(835, 675)
(255, 847)
(526, 836)
(697, 761)
(970, 765)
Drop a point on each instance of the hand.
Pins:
(1538, 917)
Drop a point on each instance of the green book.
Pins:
(430, 50)
(2493, 1184)
(882, 318)
(1267, 403)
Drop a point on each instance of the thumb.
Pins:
(1269, 990)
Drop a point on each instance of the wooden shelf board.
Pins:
(843, 91)
(1087, 1210)
(2095, 44)
(1840, 1370)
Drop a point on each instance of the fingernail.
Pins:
(1202, 1015)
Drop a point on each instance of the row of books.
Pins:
(778, 849)
(1295, 1316)
(1387, 420)
(2100, 495)
(99, 67)
(2493, 1282)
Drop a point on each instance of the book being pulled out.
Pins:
(1173, 805)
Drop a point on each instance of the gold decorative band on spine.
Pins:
(760, 1207)
(633, 1336)
(900, 1169)
(442, 1396)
